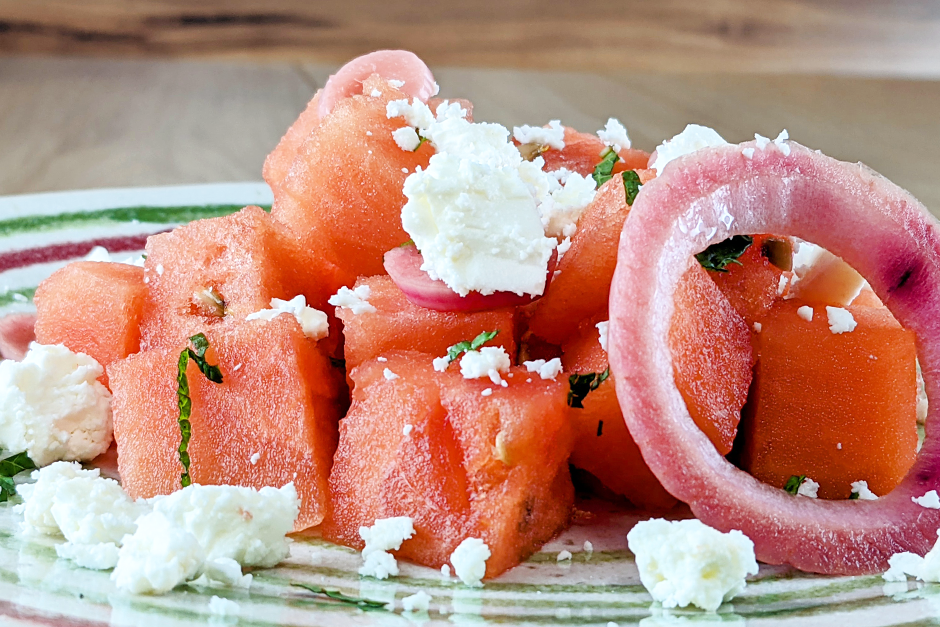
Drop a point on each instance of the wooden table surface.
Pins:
(83, 123)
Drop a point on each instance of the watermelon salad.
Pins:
(443, 331)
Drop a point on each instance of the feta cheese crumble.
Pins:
(389, 375)
(397, 84)
(440, 363)
(614, 134)
(157, 557)
(314, 322)
(386, 534)
(808, 488)
(805, 312)
(926, 568)
(406, 430)
(418, 602)
(691, 139)
(840, 320)
(930, 500)
(407, 138)
(477, 212)
(780, 142)
(602, 329)
(861, 489)
(686, 562)
(489, 361)
(53, 407)
(552, 135)
(223, 607)
(563, 556)
(469, 560)
(355, 300)
(545, 369)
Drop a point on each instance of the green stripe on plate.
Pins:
(10, 297)
(32, 224)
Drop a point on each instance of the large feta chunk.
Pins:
(355, 300)
(691, 139)
(840, 320)
(614, 134)
(469, 560)
(53, 407)
(926, 568)
(314, 322)
(159, 556)
(489, 361)
(686, 562)
(552, 135)
(386, 534)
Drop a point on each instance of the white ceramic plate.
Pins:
(42, 232)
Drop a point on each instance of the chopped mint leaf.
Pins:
(600, 428)
(631, 184)
(9, 468)
(603, 171)
(719, 255)
(583, 384)
(854, 496)
(338, 363)
(336, 595)
(410, 242)
(460, 348)
(794, 483)
(421, 140)
(184, 401)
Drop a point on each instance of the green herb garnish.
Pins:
(460, 348)
(185, 402)
(336, 595)
(421, 140)
(410, 242)
(631, 185)
(583, 384)
(794, 483)
(600, 428)
(9, 468)
(603, 171)
(854, 496)
(719, 255)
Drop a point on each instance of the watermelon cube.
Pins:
(462, 463)
(214, 271)
(93, 308)
(271, 421)
(398, 324)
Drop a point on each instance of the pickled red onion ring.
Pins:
(399, 65)
(877, 227)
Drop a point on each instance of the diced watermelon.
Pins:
(93, 308)
(471, 465)
(755, 284)
(272, 420)
(398, 324)
(246, 258)
(582, 152)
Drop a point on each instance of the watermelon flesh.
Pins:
(491, 467)
(271, 421)
(876, 227)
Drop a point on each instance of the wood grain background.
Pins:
(871, 37)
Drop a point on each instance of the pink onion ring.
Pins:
(398, 65)
(876, 226)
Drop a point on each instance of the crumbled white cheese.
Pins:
(223, 607)
(757, 327)
(254, 458)
(389, 375)
(614, 134)
(397, 84)
(314, 322)
(805, 312)
(474, 213)
(762, 142)
(588, 547)
(445, 570)
(922, 402)
(691, 139)
(840, 320)
(53, 407)
(686, 562)
(861, 489)
(469, 560)
(387, 534)
(782, 285)
(406, 430)
(562, 248)
(407, 138)
(440, 363)
(563, 556)
(157, 557)
(98, 253)
(748, 153)
(489, 361)
(545, 369)
(602, 333)
(382, 359)
(552, 135)
(926, 568)
(808, 488)
(418, 602)
(487, 392)
(930, 500)
(561, 208)
(375, 93)
(356, 300)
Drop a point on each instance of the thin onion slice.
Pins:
(877, 227)
(403, 265)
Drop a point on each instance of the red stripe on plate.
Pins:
(69, 250)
